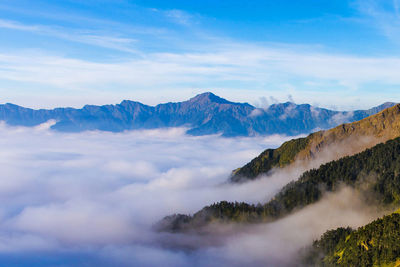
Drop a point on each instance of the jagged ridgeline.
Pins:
(203, 114)
(348, 139)
(375, 172)
(376, 244)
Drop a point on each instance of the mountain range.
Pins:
(203, 114)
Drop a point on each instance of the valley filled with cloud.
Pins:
(93, 198)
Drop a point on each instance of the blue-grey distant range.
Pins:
(203, 114)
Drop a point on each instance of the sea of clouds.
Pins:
(91, 198)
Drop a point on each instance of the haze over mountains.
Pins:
(203, 114)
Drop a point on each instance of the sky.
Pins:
(335, 54)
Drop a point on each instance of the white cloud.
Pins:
(340, 118)
(80, 36)
(256, 112)
(97, 194)
(99, 189)
(289, 112)
(382, 15)
(179, 16)
(250, 65)
(244, 70)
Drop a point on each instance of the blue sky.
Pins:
(336, 54)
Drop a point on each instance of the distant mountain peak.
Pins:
(209, 97)
(205, 113)
(129, 103)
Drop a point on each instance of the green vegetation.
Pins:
(218, 212)
(271, 158)
(327, 245)
(374, 172)
(381, 127)
(376, 244)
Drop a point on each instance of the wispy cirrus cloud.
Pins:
(250, 65)
(383, 16)
(228, 60)
(177, 16)
(94, 38)
(160, 60)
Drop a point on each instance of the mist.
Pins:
(92, 198)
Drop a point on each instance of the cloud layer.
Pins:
(91, 198)
(100, 191)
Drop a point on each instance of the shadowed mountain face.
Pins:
(203, 114)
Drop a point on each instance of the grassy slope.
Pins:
(271, 158)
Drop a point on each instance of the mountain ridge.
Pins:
(203, 114)
(347, 139)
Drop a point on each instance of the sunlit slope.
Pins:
(374, 173)
(346, 139)
(375, 244)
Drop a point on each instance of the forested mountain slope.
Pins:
(374, 172)
(375, 244)
(346, 139)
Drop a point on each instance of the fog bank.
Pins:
(91, 198)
